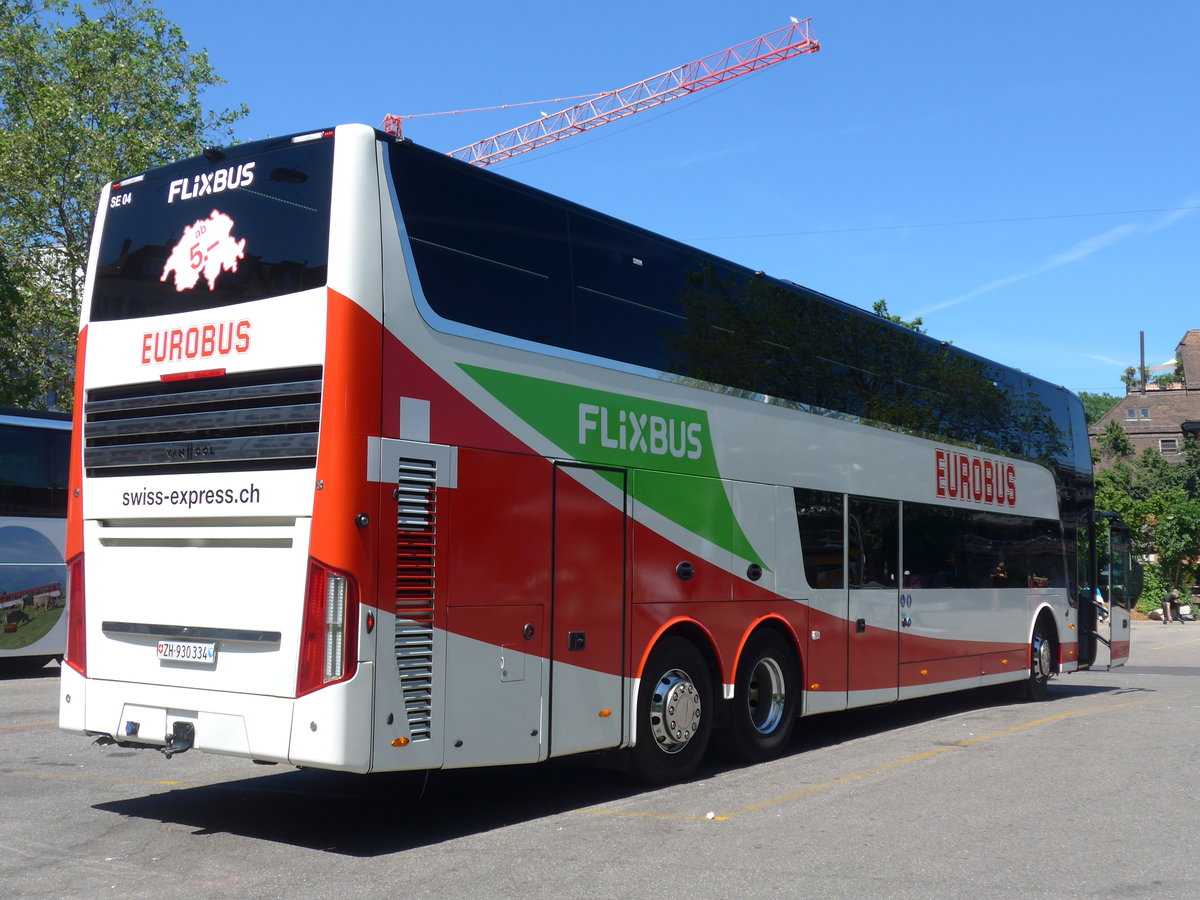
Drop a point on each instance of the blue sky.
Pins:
(1022, 175)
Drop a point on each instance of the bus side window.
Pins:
(819, 516)
(32, 471)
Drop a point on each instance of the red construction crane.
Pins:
(742, 59)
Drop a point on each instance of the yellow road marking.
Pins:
(648, 815)
(857, 776)
(1168, 646)
(20, 725)
(775, 801)
(208, 781)
(101, 778)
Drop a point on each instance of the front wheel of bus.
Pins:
(1041, 663)
(764, 703)
(674, 713)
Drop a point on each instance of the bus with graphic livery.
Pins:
(387, 462)
(35, 449)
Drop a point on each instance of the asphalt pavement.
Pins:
(1090, 793)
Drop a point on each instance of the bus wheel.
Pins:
(674, 713)
(1041, 663)
(764, 703)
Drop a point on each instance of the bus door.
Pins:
(587, 617)
(1120, 585)
(872, 564)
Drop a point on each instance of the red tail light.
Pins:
(76, 656)
(329, 641)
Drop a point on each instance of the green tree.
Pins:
(879, 307)
(85, 97)
(1189, 467)
(1157, 500)
(1115, 442)
(1096, 405)
(1133, 377)
(1177, 540)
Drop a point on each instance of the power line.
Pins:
(459, 112)
(1120, 212)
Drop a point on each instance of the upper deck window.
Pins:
(201, 234)
(505, 258)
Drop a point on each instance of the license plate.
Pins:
(183, 651)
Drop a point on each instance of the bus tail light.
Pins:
(330, 616)
(76, 656)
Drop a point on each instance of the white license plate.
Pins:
(183, 651)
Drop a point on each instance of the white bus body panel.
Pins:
(282, 331)
(592, 719)
(495, 714)
(244, 578)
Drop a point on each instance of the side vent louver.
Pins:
(247, 420)
(416, 553)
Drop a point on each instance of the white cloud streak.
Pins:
(1107, 360)
(1081, 250)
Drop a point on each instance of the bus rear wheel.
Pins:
(764, 704)
(674, 713)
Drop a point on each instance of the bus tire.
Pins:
(674, 713)
(1041, 662)
(764, 704)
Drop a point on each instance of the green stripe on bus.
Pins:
(609, 429)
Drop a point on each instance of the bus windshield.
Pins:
(202, 234)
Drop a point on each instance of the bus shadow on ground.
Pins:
(837, 728)
(381, 814)
(377, 815)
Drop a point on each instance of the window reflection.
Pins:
(819, 515)
(497, 255)
(965, 548)
(874, 543)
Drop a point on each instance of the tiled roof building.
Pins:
(1161, 416)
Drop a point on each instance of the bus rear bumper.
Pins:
(321, 730)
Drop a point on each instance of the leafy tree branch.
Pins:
(87, 95)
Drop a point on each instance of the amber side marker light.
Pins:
(401, 742)
(605, 713)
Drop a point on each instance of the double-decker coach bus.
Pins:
(388, 462)
(35, 450)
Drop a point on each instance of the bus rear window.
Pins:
(204, 234)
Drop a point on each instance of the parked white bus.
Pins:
(34, 453)
(389, 462)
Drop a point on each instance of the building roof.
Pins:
(1161, 416)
